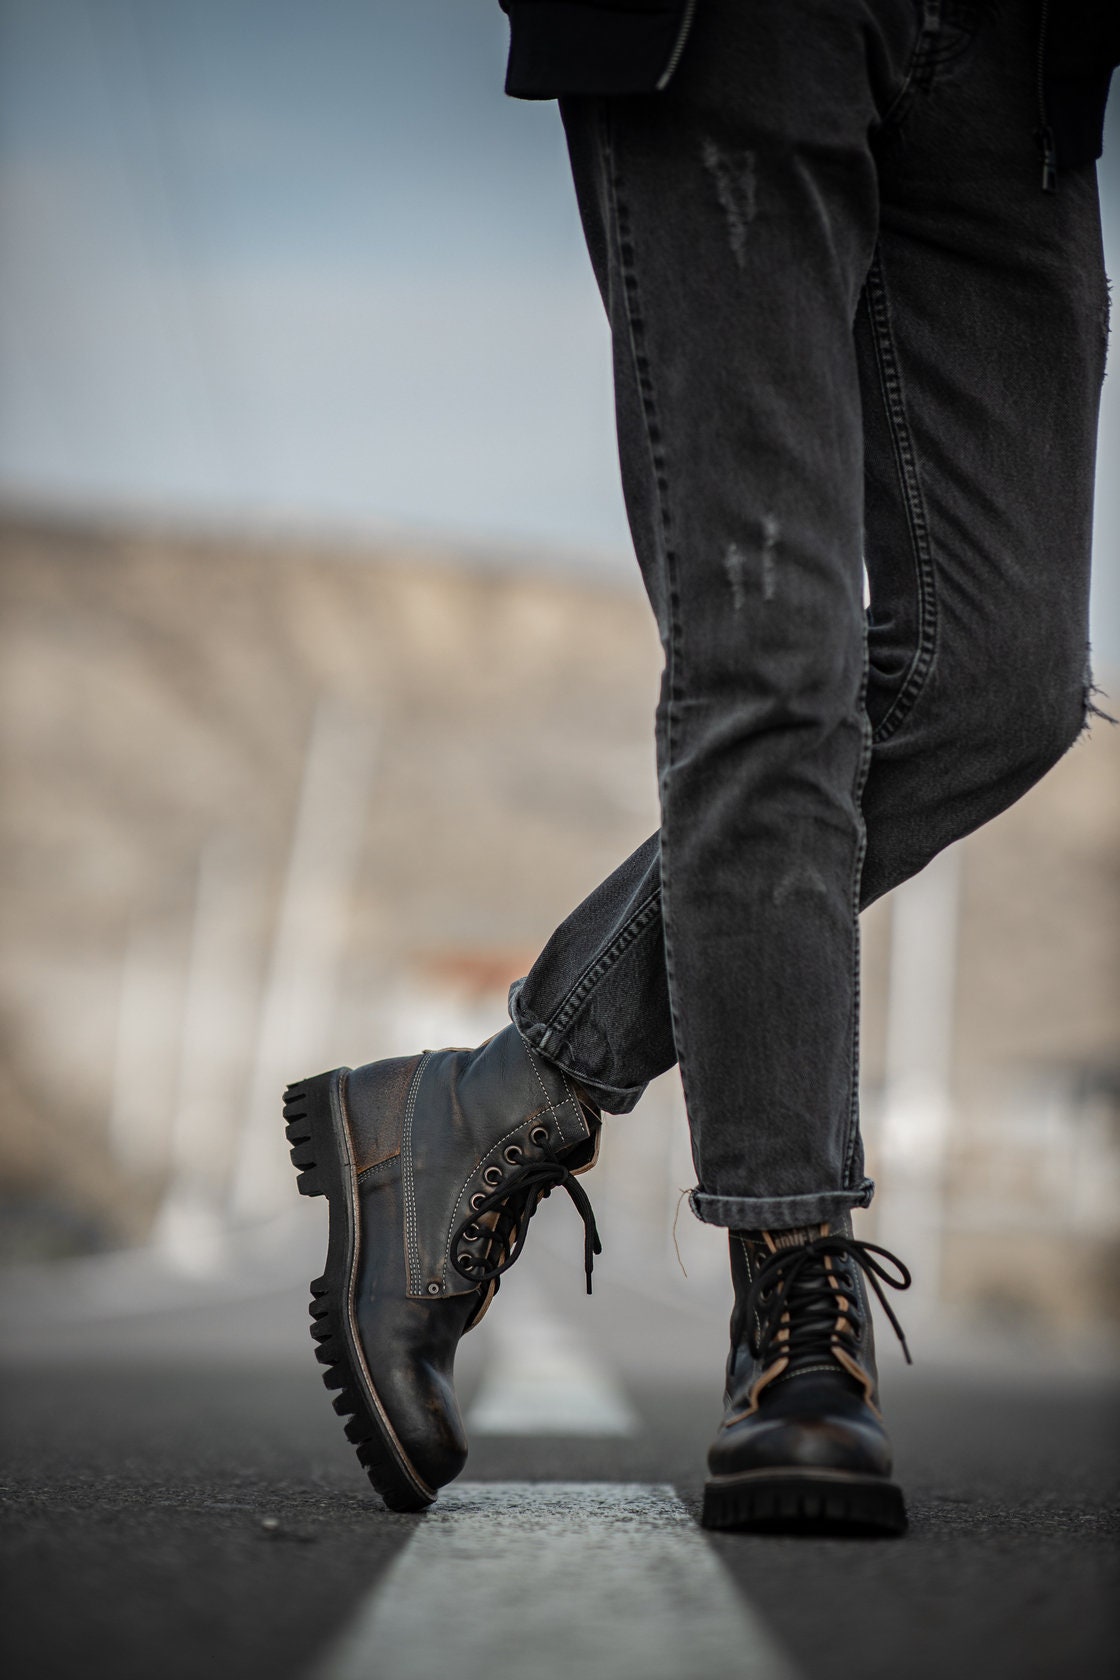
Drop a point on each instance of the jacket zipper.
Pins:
(679, 44)
(1045, 134)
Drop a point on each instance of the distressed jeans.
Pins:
(851, 333)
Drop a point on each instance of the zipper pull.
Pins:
(1049, 159)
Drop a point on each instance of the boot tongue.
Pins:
(796, 1237)
(784, 1241)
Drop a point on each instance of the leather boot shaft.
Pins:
(462, 1121)
(749, 1372)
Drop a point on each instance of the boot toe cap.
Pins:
(811, 1430)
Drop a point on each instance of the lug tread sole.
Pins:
(804, 1502)
(321, 1171)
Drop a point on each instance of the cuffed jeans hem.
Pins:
(777, 1213)
(547, 1042)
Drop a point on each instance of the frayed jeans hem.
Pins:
(777, 1213)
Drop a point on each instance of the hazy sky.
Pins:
(303, 257)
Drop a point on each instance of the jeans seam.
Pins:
(785, 1196)
(631, 296)
(890, 385)
(851, 1142)
(923, 57)
(563, 1017)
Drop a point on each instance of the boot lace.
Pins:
(513, 1204)
(797, 1282)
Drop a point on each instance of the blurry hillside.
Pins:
(248, 783)
(271, 806)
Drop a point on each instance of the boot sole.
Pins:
(804, 1502)
(323, 1158)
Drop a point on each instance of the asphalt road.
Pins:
(180, 1501)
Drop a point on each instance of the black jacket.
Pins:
(633, 46)
(594, 46)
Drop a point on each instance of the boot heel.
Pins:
(307, 1110)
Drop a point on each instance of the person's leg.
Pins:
(742, 386)
(732, 223)
(732, 226)
(732, 291)
(982, 339)
(980, 345)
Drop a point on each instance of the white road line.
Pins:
(542, 1379)
(608, 1580)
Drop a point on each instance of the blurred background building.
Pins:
(327, 686)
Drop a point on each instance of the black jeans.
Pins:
(850, 330)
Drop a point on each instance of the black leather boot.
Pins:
(432, 1166)
(802, 1444)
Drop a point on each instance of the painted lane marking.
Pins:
(554, 1579)
(541, 1378)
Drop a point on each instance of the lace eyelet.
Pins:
(514, 1153)
(470, 1233)
(477, 1200)
(492, 1175)
(539, 1136)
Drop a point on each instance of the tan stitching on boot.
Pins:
(770, 1375)
(486, 1296)
(551, 1105)
(492, 1155)
(857, 1371)
(412, 1244)
(744, 1245)
(376, 1166)
(581, 1116)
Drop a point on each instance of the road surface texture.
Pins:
(181, 1502)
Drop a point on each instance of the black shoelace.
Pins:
(514, 1203)
(797, 1281)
